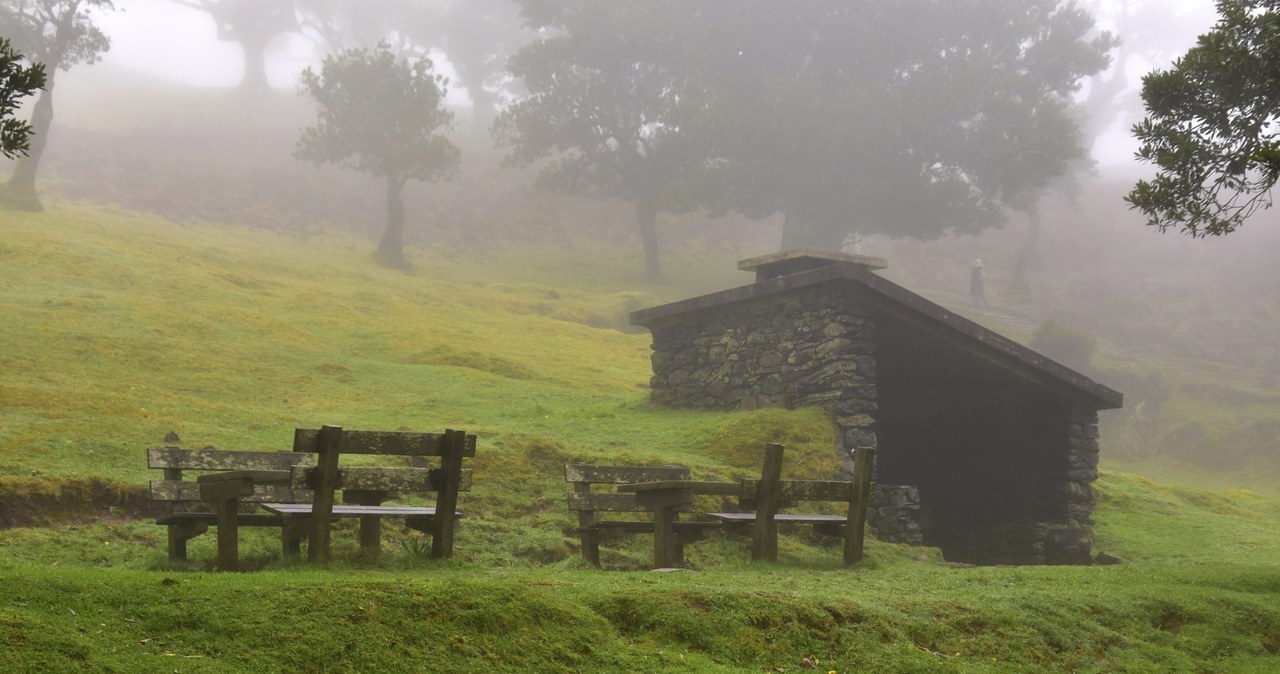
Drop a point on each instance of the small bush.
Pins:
(1067, 345)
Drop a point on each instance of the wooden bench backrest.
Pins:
(381, 478)
(175, 460)
(771, 492)
(370, 484)
(583, 476)
(389, 443)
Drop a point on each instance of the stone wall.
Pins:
(1019, 543)
(894, 514)
(805, 349)
(1082, 466)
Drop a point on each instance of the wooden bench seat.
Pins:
(365, 488)
(590, 504)
(761, 500)
(191, 514)
(300, 488)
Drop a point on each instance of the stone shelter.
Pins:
(984, 448)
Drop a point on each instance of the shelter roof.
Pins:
(795, 271)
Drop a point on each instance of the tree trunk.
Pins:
(801, 232)
(1019, 289)
(22, 183)
(255, 64)
(647, 219)
(390, 251)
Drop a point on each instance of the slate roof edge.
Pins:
(909, 305)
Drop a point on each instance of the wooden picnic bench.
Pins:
(762, 499)
(195, 505)
(586, 499)
(365, 487)
(298, 489)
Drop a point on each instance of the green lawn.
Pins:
(120, 327)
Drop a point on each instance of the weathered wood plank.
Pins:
(384, 478)
(451, 455)
(326, 447)
(623, 474)
(782, 517)
(395, 443)
(616, 503)
(863, 466)
(764, 535)
(189, 490)
(174, 458)
(345, 510)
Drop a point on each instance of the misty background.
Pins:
(1185, 328)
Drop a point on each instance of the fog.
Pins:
(163, 124)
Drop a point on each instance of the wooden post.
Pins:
(225, 495)
(370, 525)
(764, 535)
(590, 537)
(863, 465)
(328, 444)
(455, 445)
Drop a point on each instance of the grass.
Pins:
(122, 327)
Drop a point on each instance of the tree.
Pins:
(16, 82)
(476, 36)
(607, 98)
(379, 114)
(252, 24)
(898, 118)
(57, 34)
(1211, 125)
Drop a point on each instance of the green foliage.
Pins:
(606, 101)
(1210, 125)
(380, 115)
(830, 113)
(1067, 345)
(56, 33)
(814, 111)
(16, 82)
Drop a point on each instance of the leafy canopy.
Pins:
(379, 115)
(901, 118)
(1212, 125)
(56, 33)
(17, 81)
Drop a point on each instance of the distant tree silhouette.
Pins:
(380, 114)
(607, 96)
(57, 34)
(252, 24)
(908, 119)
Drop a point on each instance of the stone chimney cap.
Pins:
(795, 261)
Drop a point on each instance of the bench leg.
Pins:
(591, 547)
(664, 538)
(371, 535)
(228, 534)
(292, 531)
(179, 534)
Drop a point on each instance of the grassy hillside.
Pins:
(121, 327)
